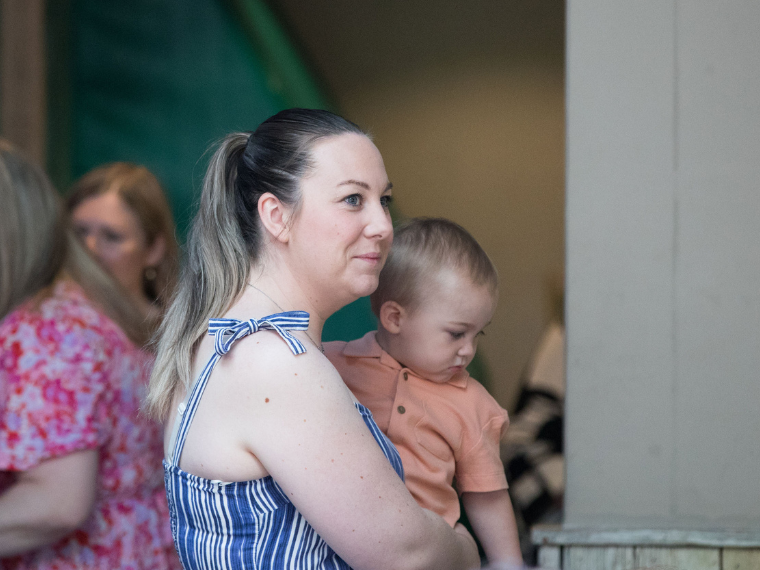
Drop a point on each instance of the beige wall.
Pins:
(466, 102)
(482, 144)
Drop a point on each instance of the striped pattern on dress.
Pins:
(248, 524)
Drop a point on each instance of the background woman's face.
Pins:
(113, 234)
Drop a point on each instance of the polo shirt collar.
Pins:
(367, 347)
(364, 347)
(460, 379)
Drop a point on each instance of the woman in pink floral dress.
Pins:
(80, 468)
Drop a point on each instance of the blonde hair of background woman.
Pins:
(37, 247)
(142, 193)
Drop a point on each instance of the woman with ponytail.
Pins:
(80, 485)
(270, 462)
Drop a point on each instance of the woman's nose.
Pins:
(379, 224)
(91, 243)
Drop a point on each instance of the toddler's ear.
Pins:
(391, 315)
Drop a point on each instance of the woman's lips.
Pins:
(370, 257)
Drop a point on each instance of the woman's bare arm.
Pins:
(47, 502)
(299, 420)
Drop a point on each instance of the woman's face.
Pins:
(342, 230)
(113, 234)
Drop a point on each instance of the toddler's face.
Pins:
(439, 339)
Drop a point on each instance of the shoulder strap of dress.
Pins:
(227, 332)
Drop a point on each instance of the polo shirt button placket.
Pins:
(405, 376)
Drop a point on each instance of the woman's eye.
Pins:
(353, 200)
(112, 237)
(385, 201)
(81, 232)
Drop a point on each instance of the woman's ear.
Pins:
(274, 216)
(392, 316)
(156, 252)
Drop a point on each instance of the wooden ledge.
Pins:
(557, 535)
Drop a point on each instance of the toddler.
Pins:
(437, 292)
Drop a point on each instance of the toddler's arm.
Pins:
(493, 521)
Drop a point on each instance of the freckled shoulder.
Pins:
(263, 361)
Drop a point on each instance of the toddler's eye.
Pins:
(481, 333)
(353, 200)
(385, 201)
(456, 335)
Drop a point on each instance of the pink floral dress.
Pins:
(71, 380)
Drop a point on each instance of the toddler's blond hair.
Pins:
(422, 248)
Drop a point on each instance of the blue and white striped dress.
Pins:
(248, 524)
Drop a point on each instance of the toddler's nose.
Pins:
(467, 350)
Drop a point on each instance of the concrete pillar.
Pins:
(663, 264)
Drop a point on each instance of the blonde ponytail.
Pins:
(218, 263)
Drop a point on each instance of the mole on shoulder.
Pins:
(266, 400)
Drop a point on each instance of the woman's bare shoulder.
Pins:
(263, 362)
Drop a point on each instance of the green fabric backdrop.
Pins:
(158, 81)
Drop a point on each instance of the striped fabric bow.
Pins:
(227, 331)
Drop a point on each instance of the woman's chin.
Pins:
(344, 293)
(366, 286)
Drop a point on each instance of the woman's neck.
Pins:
(282, 292)
(146, 308)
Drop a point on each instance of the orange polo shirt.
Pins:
(441, 431)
